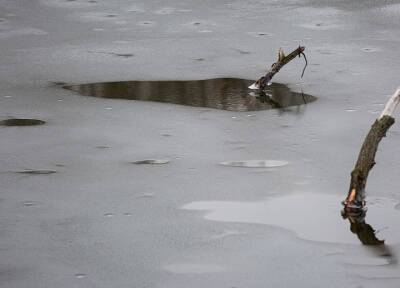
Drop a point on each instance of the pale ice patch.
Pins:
(256, 163)
(170, 10)
(313, 217)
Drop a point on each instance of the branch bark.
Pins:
(366, 158)
(282, 61)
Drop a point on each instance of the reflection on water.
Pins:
(367, 235)
(222, 93)
(358, 226)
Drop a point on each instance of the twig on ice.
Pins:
(282, 61)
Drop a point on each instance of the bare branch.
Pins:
(366, 158)
(282, 61)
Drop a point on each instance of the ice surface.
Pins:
(255, 163)
(53, 227)
(310, 216)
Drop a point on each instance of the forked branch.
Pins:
(282, 61)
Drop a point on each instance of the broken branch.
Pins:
(282, 61)
(366, 158)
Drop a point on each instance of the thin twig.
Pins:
(305, 58)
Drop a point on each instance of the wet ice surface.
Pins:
(223, 93)
(101, 221)
(311, 216)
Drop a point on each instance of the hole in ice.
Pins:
(151, 161)
(21, 122)
(36, 172)
(230, 94)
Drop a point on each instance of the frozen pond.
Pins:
(219, 190)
